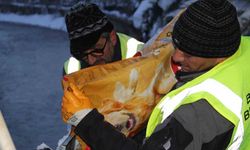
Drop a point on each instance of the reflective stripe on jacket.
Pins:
(129, 47)
(225, 87)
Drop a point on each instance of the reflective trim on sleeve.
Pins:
(132, 46)
(73, 65)
(228, 98)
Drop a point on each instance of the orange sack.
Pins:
(126, 91)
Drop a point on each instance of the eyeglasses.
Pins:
(94, 51)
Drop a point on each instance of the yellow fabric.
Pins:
(73, 101)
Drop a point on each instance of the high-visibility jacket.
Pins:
(226, 88)
(128, 46)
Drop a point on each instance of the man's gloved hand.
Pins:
(75, 105)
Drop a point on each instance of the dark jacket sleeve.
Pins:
(100, 135)
(195, 126)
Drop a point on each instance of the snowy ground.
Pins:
(48, 21)
(31, 60)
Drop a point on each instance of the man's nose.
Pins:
(178, 56)
(93, 59)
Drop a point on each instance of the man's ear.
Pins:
(113, 37)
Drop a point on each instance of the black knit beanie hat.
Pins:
(85, 23)
(208, 28)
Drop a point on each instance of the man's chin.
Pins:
(99, 62)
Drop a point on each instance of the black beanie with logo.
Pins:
(208, 28)
(85, 23)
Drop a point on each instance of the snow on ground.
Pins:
(49, 21)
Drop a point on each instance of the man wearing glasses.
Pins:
(93, 40)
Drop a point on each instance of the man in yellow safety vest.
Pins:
(93, 39)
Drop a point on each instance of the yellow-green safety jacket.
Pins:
(128, 45)
(226, 88)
